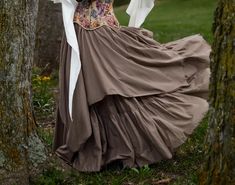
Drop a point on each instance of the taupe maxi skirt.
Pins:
(136, 100)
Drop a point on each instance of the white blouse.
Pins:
(138, 11)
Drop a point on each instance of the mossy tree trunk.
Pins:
(219, 168)
(20, 147)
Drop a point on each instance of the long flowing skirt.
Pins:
(136, 100)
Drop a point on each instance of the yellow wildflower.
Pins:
(45, 78)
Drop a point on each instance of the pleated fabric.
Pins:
(136, 100)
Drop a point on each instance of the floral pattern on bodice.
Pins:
(95, 14)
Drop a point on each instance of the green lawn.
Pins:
(170, 20)
(174, 19)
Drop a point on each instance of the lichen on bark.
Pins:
(18, 140)
(36, 150)
(2, 159)
(219, 168)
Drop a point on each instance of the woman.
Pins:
(124, 96)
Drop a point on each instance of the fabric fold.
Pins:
(68, 10)
(143, 7)
(137, 100)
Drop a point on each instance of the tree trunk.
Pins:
(219, 168)
(121, 2)
(48, 36)
(20, 147)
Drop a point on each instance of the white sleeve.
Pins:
(68, 10)
(138, 11)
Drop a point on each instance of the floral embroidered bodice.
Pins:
(95, 14)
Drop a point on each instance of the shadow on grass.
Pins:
(181, 170)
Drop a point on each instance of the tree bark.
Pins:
(20, 147)
(48, 36)
(219, 168)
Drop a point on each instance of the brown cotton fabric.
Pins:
(136, 99)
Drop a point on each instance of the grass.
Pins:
(43, 94)
(170, 20)
(181, 170)
(174, 19)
